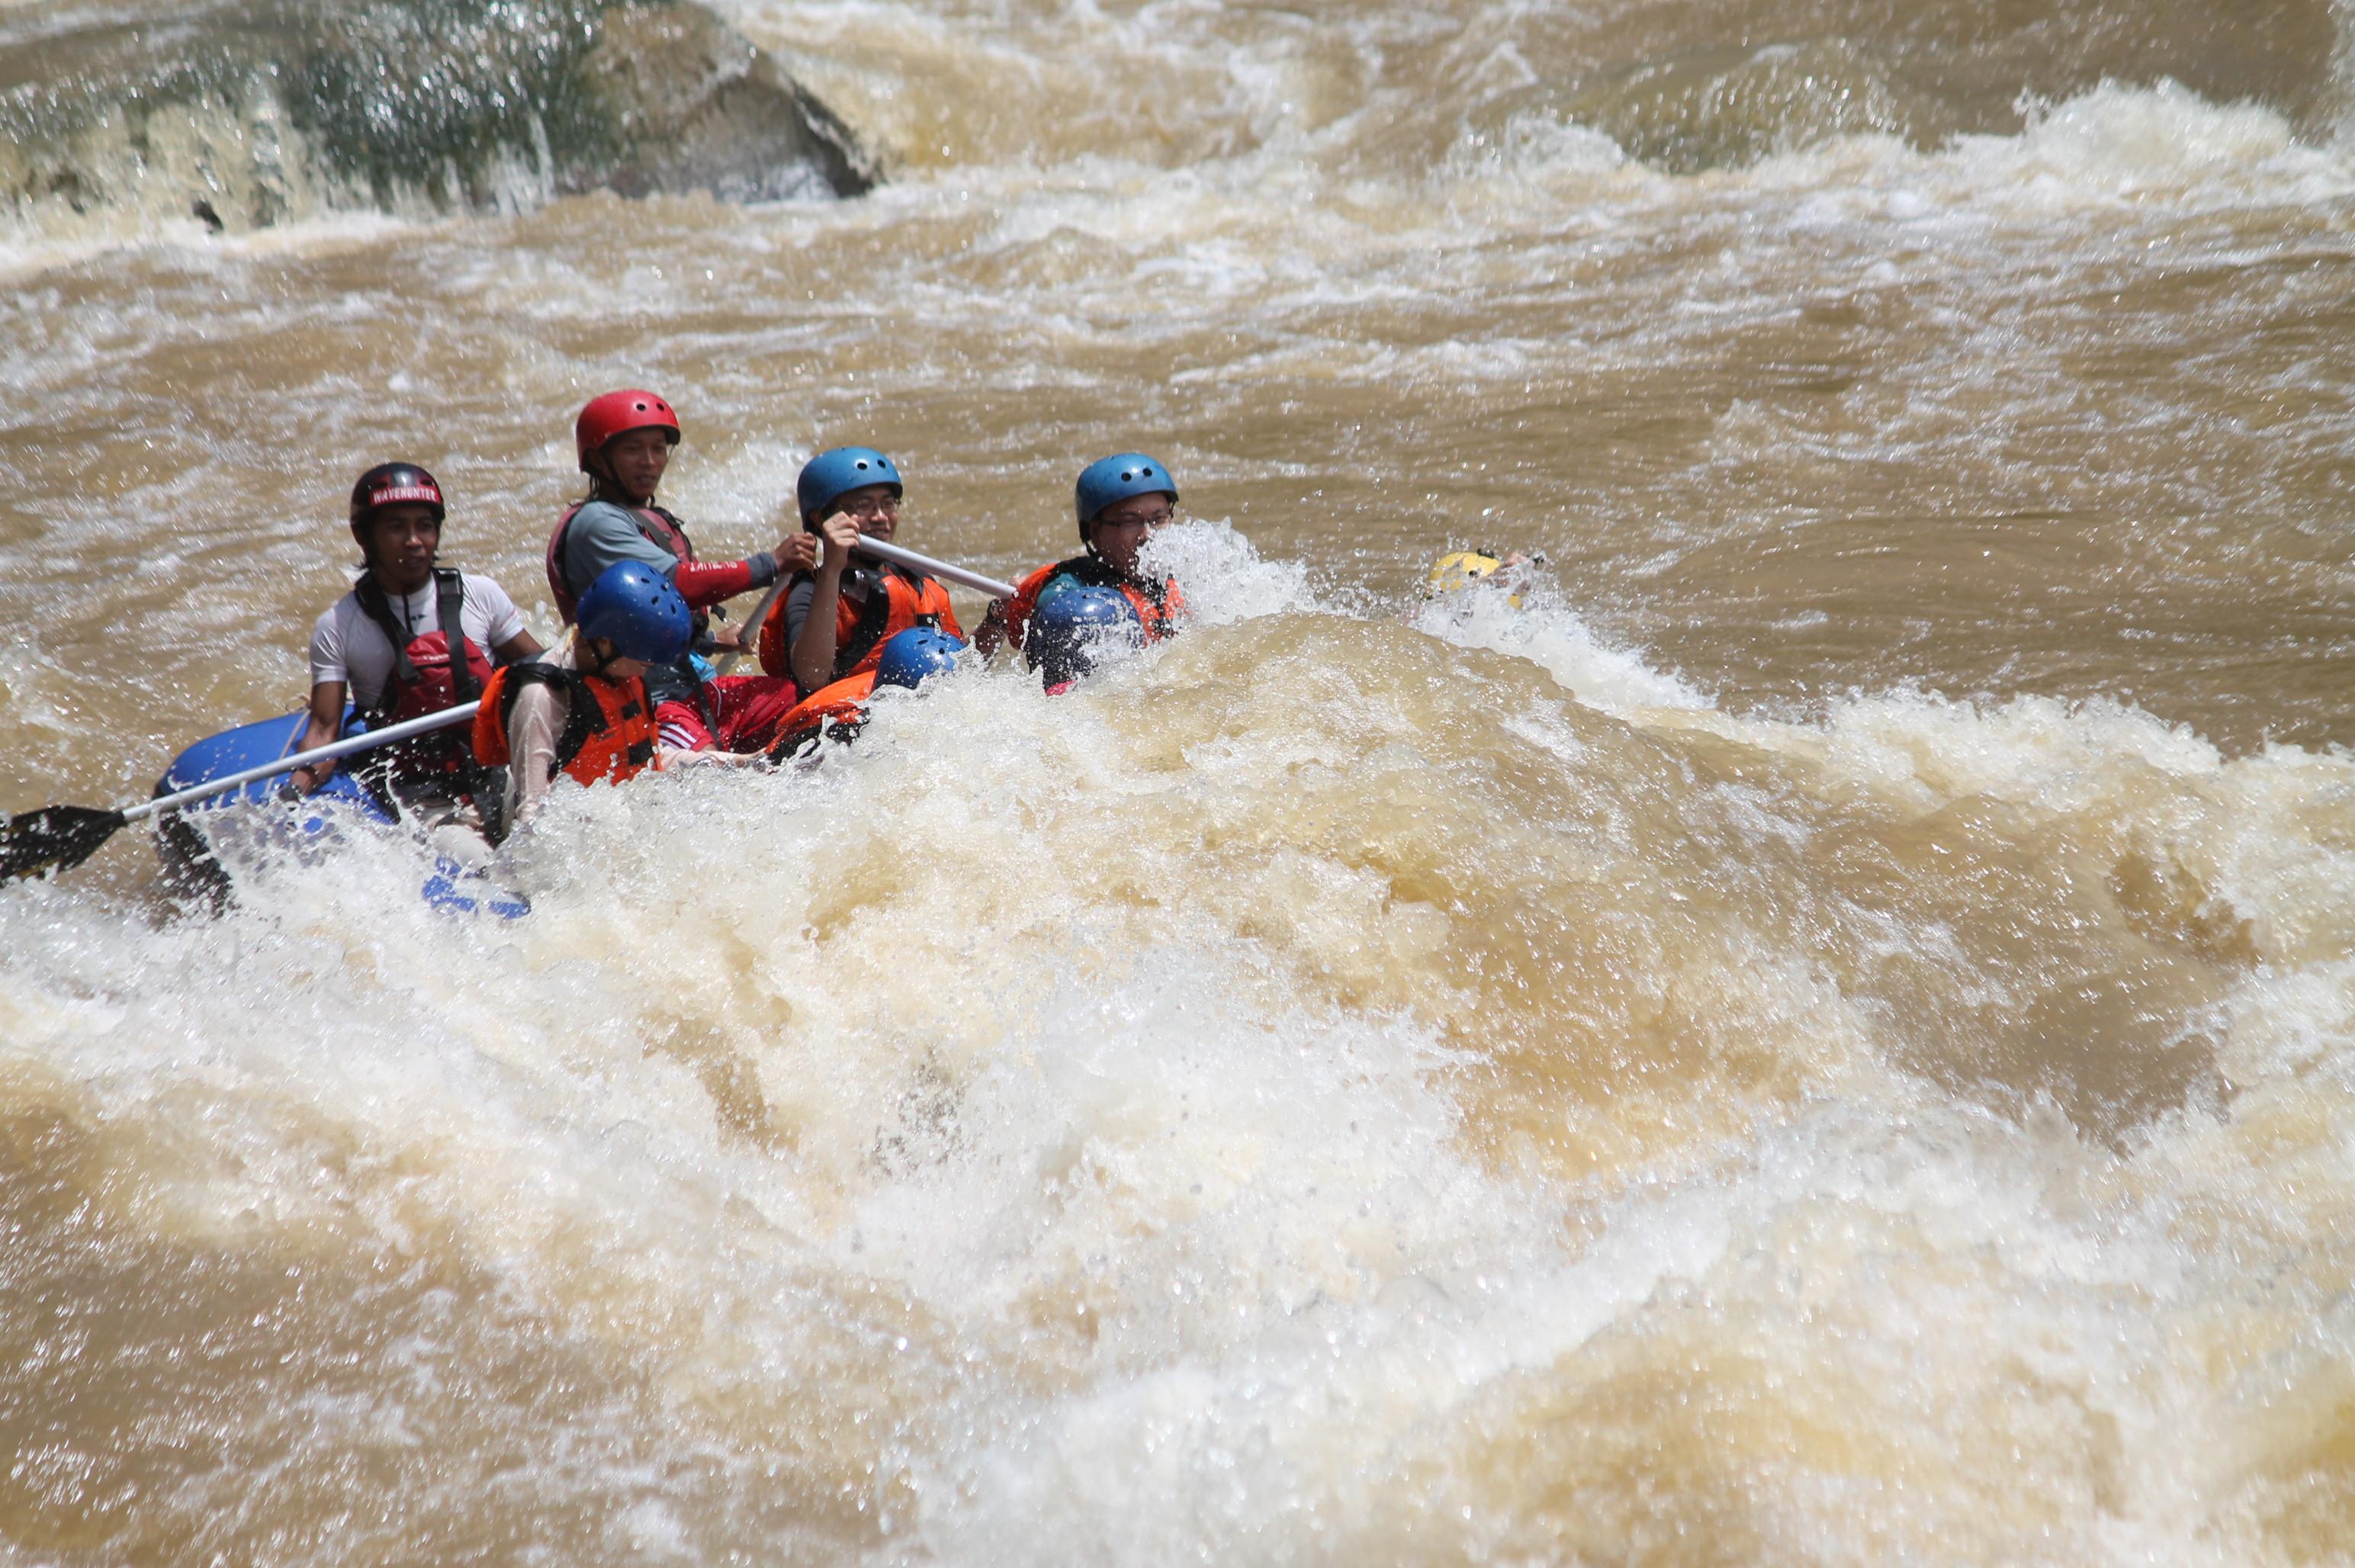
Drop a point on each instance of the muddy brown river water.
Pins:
(1825, 1034)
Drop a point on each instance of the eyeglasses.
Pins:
(871, 506)
(1161, 518)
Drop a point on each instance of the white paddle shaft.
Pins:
(342, 748)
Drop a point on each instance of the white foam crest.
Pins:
(2283, 1024)
(2111, 144)
(355, 1072)
(1171, 1147)
(2256, 840)
(2035, 749)
(1544, 629)
(1226, 579)
(1535, 144)
(2134, 141)
(518, 1074)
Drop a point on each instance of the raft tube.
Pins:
(188, 860)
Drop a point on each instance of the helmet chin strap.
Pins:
(608, 487)
(600, 662)
(1127, 573)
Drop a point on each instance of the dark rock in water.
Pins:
(701, 109)
(253, 113)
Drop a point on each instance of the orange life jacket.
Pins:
(659, 526)
(834, 712)
(1159, 615)
(862, 629)
(609, 725)
(425, 679)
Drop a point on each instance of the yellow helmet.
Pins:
(1461, 570)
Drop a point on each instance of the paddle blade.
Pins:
(54, 836)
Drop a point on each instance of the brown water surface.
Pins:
(1821, 1033)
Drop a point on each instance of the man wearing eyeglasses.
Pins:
(1121, 501)
(835, 620)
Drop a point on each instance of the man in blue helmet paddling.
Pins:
(1120, 500)
(835, 620)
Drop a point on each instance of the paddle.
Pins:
(749, 632)
(908, 558)
(881, 551)
(65, 836)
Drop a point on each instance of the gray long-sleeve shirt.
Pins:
(603, 535)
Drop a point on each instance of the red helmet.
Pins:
(618, 413)
(395, 485)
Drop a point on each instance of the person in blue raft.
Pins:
(1069, 637)
(837, 712)
(834, 619)
(623, 441)
(1122, 501)
(413, 637)
(1072, 633)
(585, 712)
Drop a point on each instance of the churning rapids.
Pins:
(1827, 1035)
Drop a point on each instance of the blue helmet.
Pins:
(830, 476)
(639, 611)
(1110, 480)
(916, 655)
(1069, 629)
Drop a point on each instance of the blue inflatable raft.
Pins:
(188, 857)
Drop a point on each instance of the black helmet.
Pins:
(395, 485)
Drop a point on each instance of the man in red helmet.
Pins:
(408, 639)
(623, 441)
